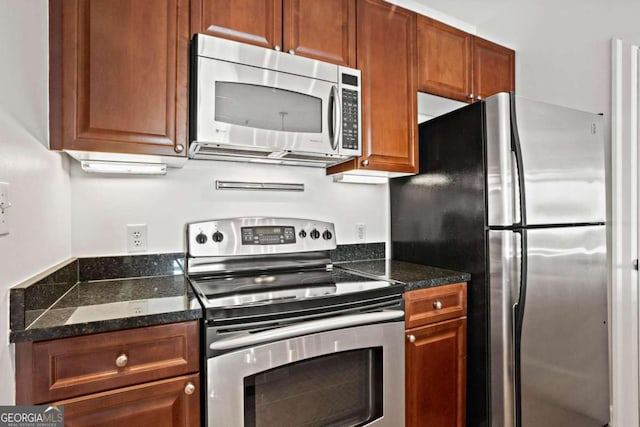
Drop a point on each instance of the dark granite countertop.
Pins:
(413, 276)
(108, 305)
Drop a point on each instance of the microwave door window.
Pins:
(268, 108)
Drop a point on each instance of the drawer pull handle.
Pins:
(437, 305)
(122, 360)
(189, 388)
(411, 338)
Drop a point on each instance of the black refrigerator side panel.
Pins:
(438, 218)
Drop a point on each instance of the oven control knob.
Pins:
(315, 234)
(201, 238)
(217, 237)
(327, 235)
(302, 234)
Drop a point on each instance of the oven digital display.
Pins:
(268, 235)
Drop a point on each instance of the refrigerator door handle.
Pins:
(517, 152)
(518, 318)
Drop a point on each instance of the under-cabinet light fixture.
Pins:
(360, 179)
(93, 166)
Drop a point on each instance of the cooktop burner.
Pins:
(261, 269)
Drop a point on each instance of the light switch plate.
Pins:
(4, 201)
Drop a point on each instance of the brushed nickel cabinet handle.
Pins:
(122, 360)
(437, 305)
(179, 148)
(365, 163)
(292, 52)
(470, 96)
(277, 47)
(411, 338)
(189, 388)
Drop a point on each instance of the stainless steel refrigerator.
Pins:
(513, 192)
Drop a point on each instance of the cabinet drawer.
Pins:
(68, 367)
(432, 305)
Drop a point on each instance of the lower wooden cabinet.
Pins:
(173, 402)
(436, 357)
(145, 376)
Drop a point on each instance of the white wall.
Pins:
(39, 179)
(563, 49)
(102, 206)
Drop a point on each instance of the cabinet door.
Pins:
(323, 30)
(444, 60)
(257, 22)
(116, 86)
(493, 68)
(171, 403)
(436, 374)
(386, 50)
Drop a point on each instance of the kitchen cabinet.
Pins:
(113, 378)
(386, 46)
(444, 60)
(114, 85)
(320, 30)
(435, 356)
(493, 68)
(460, 66)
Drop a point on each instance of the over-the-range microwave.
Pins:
(254, 104)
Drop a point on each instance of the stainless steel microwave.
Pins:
(260, 105)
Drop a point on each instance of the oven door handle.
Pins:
(306, 328)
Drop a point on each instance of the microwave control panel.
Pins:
(351, 111)
(350, 120)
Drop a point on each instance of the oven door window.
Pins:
(340, 389)
(268, 108)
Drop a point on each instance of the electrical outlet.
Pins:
(4, 207)
(136, 237)
(138, 308)
(361, 232)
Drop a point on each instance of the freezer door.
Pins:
(562, 153)
(504, 283)
(564, 341)
(503, 208)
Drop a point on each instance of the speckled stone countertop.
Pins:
(413, 276)
(108, 305)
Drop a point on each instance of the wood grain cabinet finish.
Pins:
(118, 75)
(444, 60)
(432, 305)
(69, 367)
(257, 22)
(386, 47)
(323, 30)
(493, 68)
(435, 357)
(168, 403)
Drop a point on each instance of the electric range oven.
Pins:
(288, 339)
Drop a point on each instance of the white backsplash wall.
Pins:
(103, 205)
(39, 220)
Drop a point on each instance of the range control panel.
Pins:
(258, 236)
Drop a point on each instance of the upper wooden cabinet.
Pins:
(493, 68)
(115, 86)
(386, 46)
(444, 60)
(458, 65)
(323, 30)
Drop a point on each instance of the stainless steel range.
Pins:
(289, 340)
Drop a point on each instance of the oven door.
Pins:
(352, 376)
(253, 108)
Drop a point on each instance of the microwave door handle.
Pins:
(335, 117)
